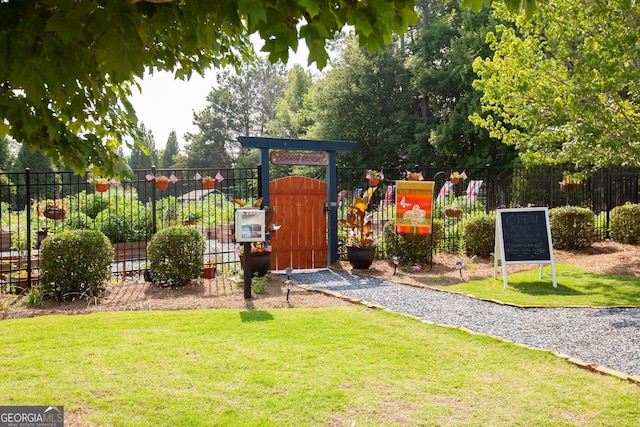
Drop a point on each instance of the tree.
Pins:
(289, 122)
(242, 104)
(44, 183)
(563, 88)
(139, 159)
(68, 68)
(368, 99)
(171, 150)
(442, 68)
(6, 157)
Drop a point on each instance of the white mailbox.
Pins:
(249, 225)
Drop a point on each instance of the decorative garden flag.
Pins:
(414, 201)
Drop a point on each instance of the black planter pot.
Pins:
(260, 263)
(361, 258)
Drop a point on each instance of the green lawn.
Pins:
(576, 287)
(295, 367)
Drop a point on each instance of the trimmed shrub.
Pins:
(624, 223)
(411, 248)
(75, 264)
(572, 227)
(176, 255)
(478, 234)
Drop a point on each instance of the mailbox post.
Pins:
(249, 228)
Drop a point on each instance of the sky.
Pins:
(166, 104)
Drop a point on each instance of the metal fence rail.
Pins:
(500, 187)
(129, 213)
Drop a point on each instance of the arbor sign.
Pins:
(414, 206)
(297, 158)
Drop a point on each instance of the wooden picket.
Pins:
(301, 243)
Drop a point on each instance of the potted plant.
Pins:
(52, 209)
(455, 177)
(453, 212)
(374, 177)
(101, 184)
(361, 245)
(569, 184)
(208, 182)
(414, 176)
(162, 182)
(209, 271)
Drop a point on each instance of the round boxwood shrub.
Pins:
(411, 248)
(624, 223)
(478, 234)
(572, 227)
(75, 264)
(176, 255)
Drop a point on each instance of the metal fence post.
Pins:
(27, 181)
(153, 203)
(486, 187)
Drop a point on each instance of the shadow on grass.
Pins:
(542, 288)
(255, 316)
(572, 281)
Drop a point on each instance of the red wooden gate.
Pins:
(302, 241)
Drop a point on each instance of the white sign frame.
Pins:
(249, 225)
(499, 251)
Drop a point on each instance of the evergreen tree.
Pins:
(171, 150)
(139, 159)
(6, 157)
(44, 183)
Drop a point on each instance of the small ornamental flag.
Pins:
(219, 177)
(445, 190)
(197, 177)
(173, 178)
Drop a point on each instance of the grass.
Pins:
(303, 367)
(576, 287)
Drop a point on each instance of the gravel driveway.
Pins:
(608, 337)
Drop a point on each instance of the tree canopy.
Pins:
(564, 87)
(69, 66)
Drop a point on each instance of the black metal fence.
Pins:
(497, 187)
(35, 204)
(129, 213)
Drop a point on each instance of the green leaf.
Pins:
(253, 10)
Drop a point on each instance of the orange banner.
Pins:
(414, 203)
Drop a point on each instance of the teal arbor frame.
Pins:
(331, 148)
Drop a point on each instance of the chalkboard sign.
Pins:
(523, 236)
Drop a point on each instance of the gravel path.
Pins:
(608, 337)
